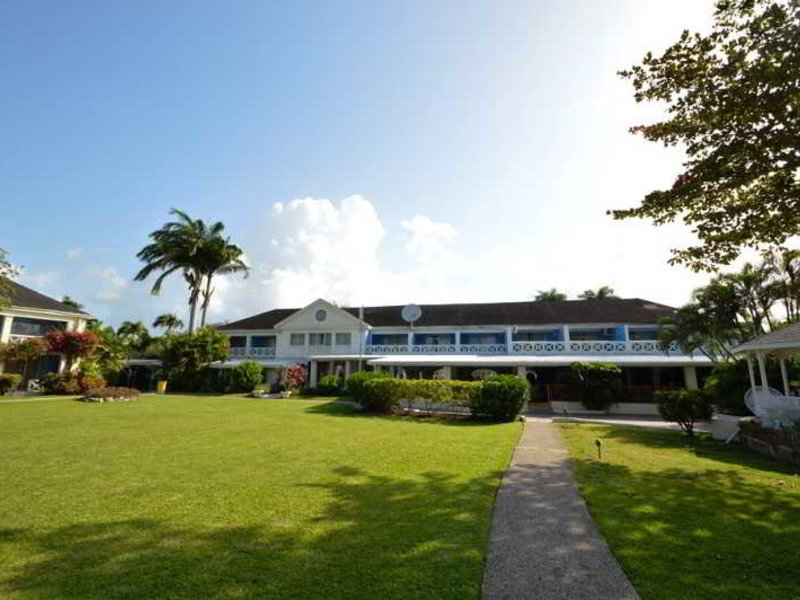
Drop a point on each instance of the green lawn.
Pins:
(221, 497)
(691, 519)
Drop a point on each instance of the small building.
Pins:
(32, 314)
(535, 340)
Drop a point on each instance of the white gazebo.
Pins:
(766, 402)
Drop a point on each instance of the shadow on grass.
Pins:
(711, 533)
(378, 537)
(345, 408)
(702, 446)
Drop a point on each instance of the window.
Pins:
(321, 315)
(434, 339)
(297, 339)
(238, 341)
(546, 335)
(389, 339)
(483, 338)
(262, 341)
(319, 339)
(26, 326)
(343, 339)
(643, 334)
(606, 334)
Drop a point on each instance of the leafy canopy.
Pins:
(732, 99)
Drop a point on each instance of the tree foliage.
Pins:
(734, 307)
(73, 345)
(600, 293)
(168, 321)
(7, 273)
(551, 295)
(188, 352)
(732, 100)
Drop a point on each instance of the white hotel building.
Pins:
(535, 340)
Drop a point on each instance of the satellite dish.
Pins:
(411, 313)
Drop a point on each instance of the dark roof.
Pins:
(569, 312)
(784, 338)
(25, 297)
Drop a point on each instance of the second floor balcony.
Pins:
(531, 348)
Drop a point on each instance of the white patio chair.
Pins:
(34, 385)
(769, 404)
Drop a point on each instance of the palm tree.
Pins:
(551, 295)
(219, 257)
(168, 321)
(176, 247)
(71, 302)
(602, 293)
(134, 334)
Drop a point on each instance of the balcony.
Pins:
(637, 347)
(250, 352)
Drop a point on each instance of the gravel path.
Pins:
(543, 543)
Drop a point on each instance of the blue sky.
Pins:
(479, 144)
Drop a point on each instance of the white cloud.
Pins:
(73, 253)
(41, 282)
(112, 283)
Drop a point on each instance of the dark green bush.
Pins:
(595, 385)
(60, 383)
(246, 376)
(684, 407)
(501, 398)
(383, 394)
(9, 382)
(355, 386)
(329, 385)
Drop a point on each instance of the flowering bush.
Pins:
(295, 377)
(72, 344)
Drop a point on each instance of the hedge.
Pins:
(329, 385)
(246, 376)
(497, 398)
(9, 382)
(356, 385)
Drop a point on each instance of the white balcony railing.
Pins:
(386, 349)
(245, 352)
(482, 348)
(532, 347)
(433, 349)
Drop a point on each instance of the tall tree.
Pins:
(176, 247)
(7, 273)
(551, 295)
(168, 321)
(732, 101)
(601, 293)
(219, 257)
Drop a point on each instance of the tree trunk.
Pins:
(192, 309)
(206, 301)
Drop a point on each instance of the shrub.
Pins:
(464, 393)
(9, 382)
(70, 383)
(355, 387)
(329, 385)
(295, 377)
(383, 394)
(501, 398)
(595, 385)
(684, 407)
(246, 376)
(102, 394)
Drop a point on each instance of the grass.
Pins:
(210, 497)
(691, 519)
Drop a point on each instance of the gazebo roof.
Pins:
(780, 340)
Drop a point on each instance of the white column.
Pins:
(346, 369)
(565, 333)
(447, 372)
(410, 340)
(509, 339)
(690, 378)
(784, 376)
(522, 373)
(6, 331)
(457, 341)
(312, 379)
(762, 370)
(750, 371)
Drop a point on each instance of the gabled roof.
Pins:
(25, 297)
(786, 338)
(568, 312)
